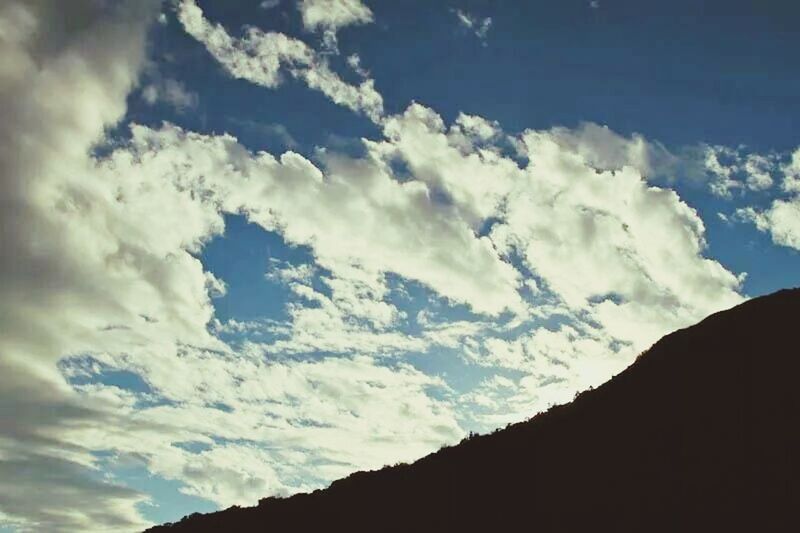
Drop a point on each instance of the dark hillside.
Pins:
(699, 434)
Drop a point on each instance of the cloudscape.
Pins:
(249, 248)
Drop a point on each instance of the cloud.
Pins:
(480, 27)
(171, 92)
(238, 427)
(60, 86)
(588, 235)
(101, 274)
(269, 4)
(261, 57)
(331, 15)
(409, 226)
(791, 173)
(268, 131)
(781, 220)
(604, 149)
(735, 169)
(354, 62)
(550, 364)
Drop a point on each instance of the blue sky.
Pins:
(256, 246)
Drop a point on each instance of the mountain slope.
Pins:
(699, 434)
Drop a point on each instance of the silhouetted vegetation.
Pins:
(699, 434)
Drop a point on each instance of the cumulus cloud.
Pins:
(584, 232)
(791, 173)
(589, 235)
(604, 149)
(331, 15)
(261, 57)
(781, 220)
(733, 169)
(409, 226)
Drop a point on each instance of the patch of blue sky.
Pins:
(84, 371)
(241, 258)
(195, 447)
(123, 379)
(631, 65)
(168, 502)
(461, 374)
(412, 298)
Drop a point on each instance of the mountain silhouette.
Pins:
(700, 433)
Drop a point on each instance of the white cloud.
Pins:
(171, 92)
(388, 225)
(735, 169)
(58, 91)
(285, 426)
(354, 62)
(791, 173)
(268, 132)
(781, 220)
(589, 235)
(479, 26)
(100, 272)
(260, 57)
(604, 149)
(758, 169)
(331, 15)
(555, 364)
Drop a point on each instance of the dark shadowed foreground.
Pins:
(699, 434)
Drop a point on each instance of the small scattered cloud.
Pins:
(781, 220)
(270, 131)
(479, 26)
(735, 169)
(594, 4)
(269, 4)
(170, 92)
(329, 16)
(354, 62)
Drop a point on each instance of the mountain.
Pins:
(699, 434)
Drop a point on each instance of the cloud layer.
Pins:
(543, 261)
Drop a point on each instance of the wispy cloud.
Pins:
(479, 26)
(171, 92)
(262, 58)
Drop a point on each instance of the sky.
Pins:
(251, 247)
